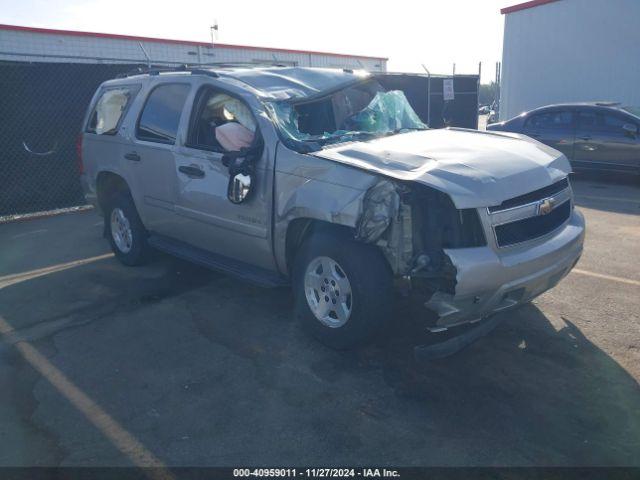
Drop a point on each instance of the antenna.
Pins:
(214, 31)
(146, 55)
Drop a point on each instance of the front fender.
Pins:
(316, 189)
(300, 197)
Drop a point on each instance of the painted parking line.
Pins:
(107, 425)
(21, 277)
(33, 232)
(124, 441)
(628, 281)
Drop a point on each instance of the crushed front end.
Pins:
(464, 265)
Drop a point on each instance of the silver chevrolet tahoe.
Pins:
(328, 180)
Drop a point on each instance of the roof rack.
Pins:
(195, 70)
(200, 69)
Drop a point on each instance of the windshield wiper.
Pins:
(406, 129)
(349, 137)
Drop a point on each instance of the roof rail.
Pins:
(195, 70)
(264, 63)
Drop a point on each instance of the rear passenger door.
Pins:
(602, 142)
(150, 158)
(555, 128)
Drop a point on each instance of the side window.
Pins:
(603, 122)
(220, 122)
(559, 120)
(109, 110)
(161, 113)
(588, 120)
(614, 123)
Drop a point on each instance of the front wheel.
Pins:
(343, 290)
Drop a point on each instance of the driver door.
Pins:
(603, 143)
(205, 217)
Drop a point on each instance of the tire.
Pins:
(370, 280)
(129, 249)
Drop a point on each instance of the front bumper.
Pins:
(490, 280)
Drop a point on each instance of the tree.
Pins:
(488, 93)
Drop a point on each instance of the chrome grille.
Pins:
(539, 194)
(532, 215)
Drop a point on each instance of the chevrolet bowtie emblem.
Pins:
(546, 205)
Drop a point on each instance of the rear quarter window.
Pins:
(614, 123)
(603, 122)
(109, 110)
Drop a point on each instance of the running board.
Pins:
(241, 270)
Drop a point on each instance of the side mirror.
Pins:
(241, 167)
(630, 130)
(239, 188)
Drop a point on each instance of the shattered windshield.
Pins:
(357, 112)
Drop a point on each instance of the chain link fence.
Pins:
(44, 101)
(41, 110)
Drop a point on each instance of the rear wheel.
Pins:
(343, 290)
(125, 231)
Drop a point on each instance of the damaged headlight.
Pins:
(379, 207)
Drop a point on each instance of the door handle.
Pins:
(133, 156)
(191, 171)
(586, 138)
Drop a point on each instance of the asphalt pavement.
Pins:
(171, 364)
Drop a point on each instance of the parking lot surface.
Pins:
(172, 364)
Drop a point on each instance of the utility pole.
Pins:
(478, 86)
(214, 33)
(428, 94)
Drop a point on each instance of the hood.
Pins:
(476, 169)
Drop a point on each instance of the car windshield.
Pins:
(357, 112)
(632, 110)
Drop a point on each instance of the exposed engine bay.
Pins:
(413, 224)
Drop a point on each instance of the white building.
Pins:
(569, 51)
(29, 44)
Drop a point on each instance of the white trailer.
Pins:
(570, 51)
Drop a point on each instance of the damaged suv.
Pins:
(329, 181)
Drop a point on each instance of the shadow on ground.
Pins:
(206, 370)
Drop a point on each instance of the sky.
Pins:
(436, 33)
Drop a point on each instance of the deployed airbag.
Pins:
(109, 109)
(233, 136)
(233, 109)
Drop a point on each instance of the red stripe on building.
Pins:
(525, 5)
(178, 42)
